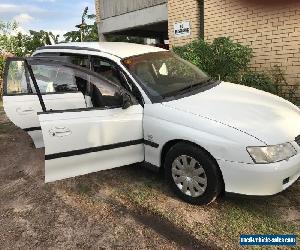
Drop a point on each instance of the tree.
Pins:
(86, 32)
(20, 44)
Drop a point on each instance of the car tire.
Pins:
(193, 174)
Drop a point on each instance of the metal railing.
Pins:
(110, 8)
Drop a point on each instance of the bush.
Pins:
(260, 81)
(229, 61)
(2, 63)
(222, 59)
(273, 82)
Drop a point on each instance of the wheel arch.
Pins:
(168, 145)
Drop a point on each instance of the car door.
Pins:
(83, 140)
(21, 102)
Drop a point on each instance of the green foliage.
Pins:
(229, 61)
(221, 59)
(2, 62)
(86, 32)
(20, 44)
(259, 80)
(272, 81)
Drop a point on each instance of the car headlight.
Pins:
(269, 154)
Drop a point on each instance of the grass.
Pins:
(83, 188)
(249, 217)
(229, 218)
(6, 128)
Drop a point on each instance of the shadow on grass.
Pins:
(147, 192)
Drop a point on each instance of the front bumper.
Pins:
(260, 179)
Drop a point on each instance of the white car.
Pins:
(97, 106)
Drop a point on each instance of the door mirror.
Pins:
(126, 101)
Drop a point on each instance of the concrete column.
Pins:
(98, 20)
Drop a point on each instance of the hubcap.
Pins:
(189, 176)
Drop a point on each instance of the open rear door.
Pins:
(21, 100)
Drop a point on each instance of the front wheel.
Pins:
(192, 174)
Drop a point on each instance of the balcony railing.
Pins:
(110, 8)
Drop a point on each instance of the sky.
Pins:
(58, 16)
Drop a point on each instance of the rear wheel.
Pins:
(192, 174)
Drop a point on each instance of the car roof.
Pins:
(119, 49)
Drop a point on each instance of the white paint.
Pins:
(182, 29)
(223, 120)
(22, 109)
(89, 129)
(119, 49)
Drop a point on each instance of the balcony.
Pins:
(145, 18)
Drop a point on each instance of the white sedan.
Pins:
(97, 106)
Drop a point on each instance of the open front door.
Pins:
(82, 142)
(105, 135)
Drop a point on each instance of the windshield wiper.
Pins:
(188, 88)
(202, 84)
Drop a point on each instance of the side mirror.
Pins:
(126, 101)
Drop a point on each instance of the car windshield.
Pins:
(163, 74)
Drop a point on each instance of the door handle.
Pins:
(59, 131)
(26, 110)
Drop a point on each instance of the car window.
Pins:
(54, 78)
(107, 69)
(18, 80)
(77, 59)
(165, 75)
(47, 54)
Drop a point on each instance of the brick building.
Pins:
(272, 30)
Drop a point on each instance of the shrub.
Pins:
(221, 59)
(272, 81)
(259, 80)
(229, 61)
(2, 63)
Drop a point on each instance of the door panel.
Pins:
(22, 110)
(21, 104)
(78, 143)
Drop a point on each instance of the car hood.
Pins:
(267, 117)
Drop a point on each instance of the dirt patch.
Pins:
(38, 215)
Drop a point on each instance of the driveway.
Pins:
(128, 207)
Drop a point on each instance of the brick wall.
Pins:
(273, 32)
(183, 10)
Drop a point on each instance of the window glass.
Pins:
(163, 74)
(79, 60)
(54, 79)
(17, 78)
(58, 78)
(47, 54)
(107, 70)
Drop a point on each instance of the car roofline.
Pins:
(73, 48)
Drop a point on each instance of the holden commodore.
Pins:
(97, 106)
